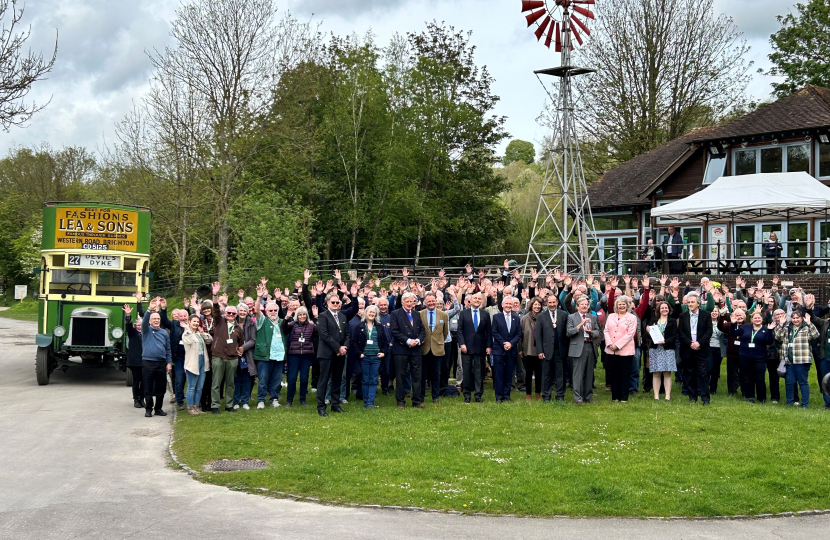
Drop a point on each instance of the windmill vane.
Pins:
(553, 18)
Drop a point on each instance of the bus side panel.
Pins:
(48, 236)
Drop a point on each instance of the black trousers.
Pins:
(696, 374)
(753, 378)
(431, 366)
(618, 371)
(138, 382)
(450, 359)
(715, 362)
(205, 402)
(733, 375)
(473, 367)
(315, 371)
(413, 361)
(553, 376)
(154, 373)
(533, 370)
(329, 366)
(774, 385)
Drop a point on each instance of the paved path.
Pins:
(81, 462)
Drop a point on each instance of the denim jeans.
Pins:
(370, 366)
(298, 364)
(242, 387)
(178, 380)
(798, 373)
(269, 373)
(195, 384)
(635, 371)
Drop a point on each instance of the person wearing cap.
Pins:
(228, 339)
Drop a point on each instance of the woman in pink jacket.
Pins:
(620, 328)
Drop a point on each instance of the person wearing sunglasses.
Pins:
(333, 330)
(269, 350)
(228, 340)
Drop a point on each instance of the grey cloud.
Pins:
(755, 18)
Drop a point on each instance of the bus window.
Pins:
(116, 284)
(70, 282)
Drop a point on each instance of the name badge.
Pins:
(751, 345)
(301, 340)
(181, 342)
(737, 342)
(230, 342)
(442, 320)
(370, 342)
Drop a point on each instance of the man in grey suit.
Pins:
(552, 345)
(584, 333)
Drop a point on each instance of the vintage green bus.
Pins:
(94, 258)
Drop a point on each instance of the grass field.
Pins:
(21, 311)
(643, 458)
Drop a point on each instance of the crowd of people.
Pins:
(538, 335)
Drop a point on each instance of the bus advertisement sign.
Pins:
(98, 229)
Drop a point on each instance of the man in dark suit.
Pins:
(407, 336)
(674, 249)
(474, 339)
(333, 330)
(552, 345)
(694, 331)
(507, 332)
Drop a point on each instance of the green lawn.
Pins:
(22, 311)
(643, 458)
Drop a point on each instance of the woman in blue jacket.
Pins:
(370, 339)
(752, 355)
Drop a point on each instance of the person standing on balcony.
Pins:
(674, 249)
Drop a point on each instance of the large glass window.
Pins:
(714, 169)
(615, 223)
(745, 162)
(824, 160)
(797, 240)
(772, 160)
(744, 240)
(629, 254)
(116, 278)
(798, 158)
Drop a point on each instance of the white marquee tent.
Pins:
(753, 197)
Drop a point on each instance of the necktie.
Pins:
(409, 314)
(507, 321)
(431, 324)
(336, 320)
(475, 320)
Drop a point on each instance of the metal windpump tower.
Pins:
(563, 204)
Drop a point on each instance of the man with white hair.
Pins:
(585, 335)
(156, 360)
(507, 332)
(269, 350)
(408, 334)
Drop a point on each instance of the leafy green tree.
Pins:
(802, 48)
(519, 150)
(271, 239)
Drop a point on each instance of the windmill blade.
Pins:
(583, 2)
(581, 25)
(542, 27)
(550, 34)
(576, 35)
(527, 5)
(558, 47)
(587, 12)
(535, 16)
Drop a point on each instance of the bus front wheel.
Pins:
(43, 368)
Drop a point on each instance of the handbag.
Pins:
(782, 368)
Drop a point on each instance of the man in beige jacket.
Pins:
(437, 326)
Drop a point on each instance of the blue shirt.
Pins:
(155, 344)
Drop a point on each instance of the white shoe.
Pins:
(313, 390)
(275, 403)
(328, 402)
(344, 401)
(236, 407)
(284, 384)
(247, 408)
(260, 405)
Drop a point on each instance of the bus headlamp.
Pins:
(117, 333)
(59, 331)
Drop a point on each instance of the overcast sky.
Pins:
(102, 68)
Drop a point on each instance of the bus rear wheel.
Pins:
(43, 365)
